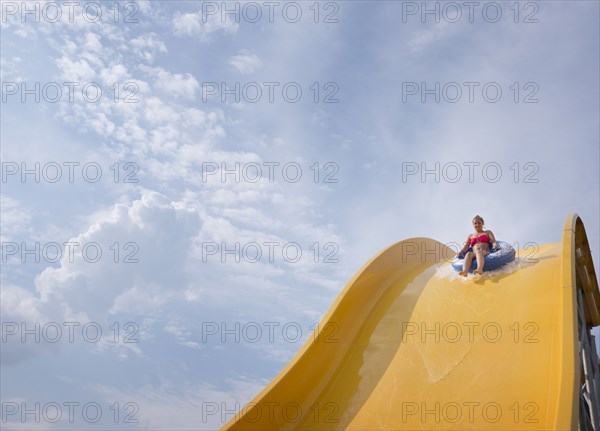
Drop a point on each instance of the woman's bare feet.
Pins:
(463, 273)
(478, 272)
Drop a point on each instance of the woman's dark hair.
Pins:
(478, 217)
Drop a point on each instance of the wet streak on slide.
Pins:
(408, 344)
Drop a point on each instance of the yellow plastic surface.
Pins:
(408, 344)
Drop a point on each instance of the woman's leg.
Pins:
(466, 264)
(480, 250)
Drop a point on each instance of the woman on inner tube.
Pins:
(477, 245)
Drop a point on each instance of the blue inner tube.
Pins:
(496, 259)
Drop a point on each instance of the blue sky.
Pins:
(170, 206)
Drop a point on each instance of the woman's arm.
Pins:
(466, 246)
(495, 245)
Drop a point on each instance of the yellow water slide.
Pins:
(408, 344)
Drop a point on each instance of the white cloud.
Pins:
(157, 112)
(136, 228)
(115, 73)
(130, 132)
(93, 43)
(195, 24)
(178, 84)
(181, 333)
(81, 284)
(20, 309)
(15, 219)
(245, 62)
(148, 46)
(185, 406)
(102, 125)
(187, 24)
(75, 70)
(9, 69)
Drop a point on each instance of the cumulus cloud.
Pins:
(245, 62)
(147, 46)
(131, 240)
(76, 70)
(156, 249)
(157, 112)
(178, 84)
(197, 24)
(16, 220)
(114, 73)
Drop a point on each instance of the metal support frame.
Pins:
(589, 394)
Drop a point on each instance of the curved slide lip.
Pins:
(577, 272)
(324, 358)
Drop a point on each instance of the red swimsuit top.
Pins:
(481, 238)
